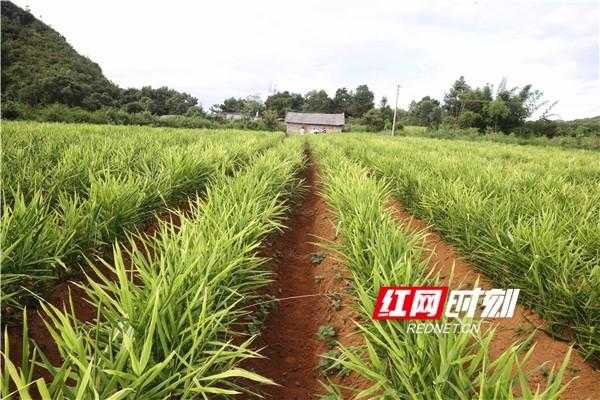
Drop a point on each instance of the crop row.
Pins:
(526, 217)
(165, 324)
(399, 363)
(69, 189)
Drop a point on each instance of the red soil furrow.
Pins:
(334, 278)
(446, 260)
(289, 339)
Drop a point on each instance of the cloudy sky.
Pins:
(223, 48)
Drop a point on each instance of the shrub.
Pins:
(541, 127)
(194, 118)
(134, 107)
(270, 120)
(12, 110)
(470, 119)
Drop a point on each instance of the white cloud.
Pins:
(234, 48)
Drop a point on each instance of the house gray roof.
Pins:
(315, 118)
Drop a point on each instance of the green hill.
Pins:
(580, 127)
(591, 120)
(39, 67)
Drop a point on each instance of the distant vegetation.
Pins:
(569, 139)
(507, 111)
(353, 103)
(116, 116)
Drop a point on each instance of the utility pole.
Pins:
(395, 109)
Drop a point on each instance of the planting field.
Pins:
(142, 263)
(68, 190)
(528, 218)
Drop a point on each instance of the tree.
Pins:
(540, 127)
(476, 100)
(95, 101)
(270, 119)
(195, 111)
(470, 119)
(134, 107)
(512, 107)
(374, 120)
(252, 106)
(282, 102)
(452, 100)
(231, 105)
(479, 108)
(362, 101)
(427, 111)
(179, 103)
(342, 101)
(317, 101)
(386, 110)
(497, 112)
(161, 101)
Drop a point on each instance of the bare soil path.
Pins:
(445, 259)
(303, 268)
(289, 333)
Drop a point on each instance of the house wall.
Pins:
(309, 128)
(232, 116)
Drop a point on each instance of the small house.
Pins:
(296, 122)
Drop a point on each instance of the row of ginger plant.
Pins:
(167, 323)
(398, 362)
(71, 190)
(526, 217)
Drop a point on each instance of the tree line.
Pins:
(503, 109)
(484, 109)
(353, 103)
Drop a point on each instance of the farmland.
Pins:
(72, 189)
(529, 218)
(222, 264)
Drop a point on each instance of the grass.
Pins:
(328, 334)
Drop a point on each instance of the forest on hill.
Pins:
(39, 68)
